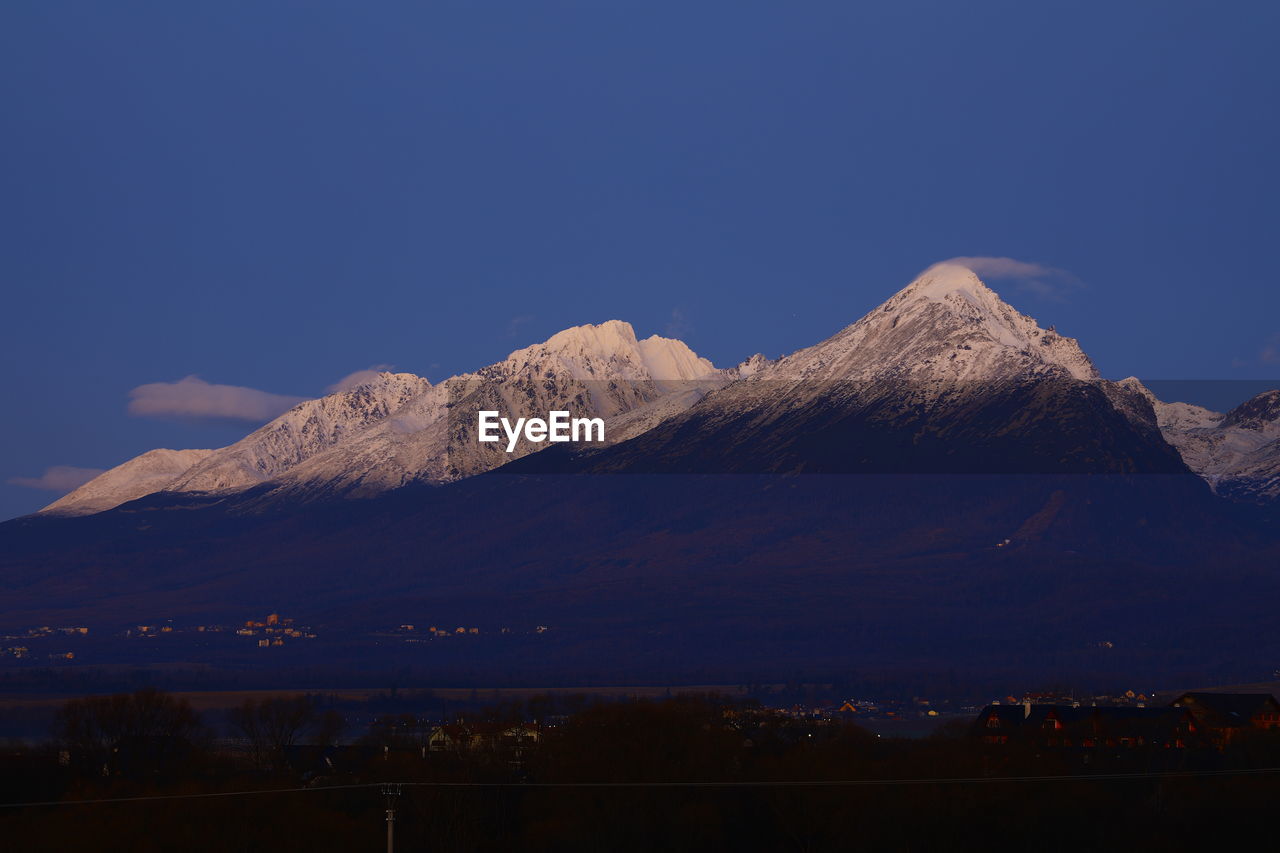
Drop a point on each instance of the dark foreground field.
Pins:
(689, 773)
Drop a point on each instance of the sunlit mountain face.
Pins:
(943, 485)
(944, 355)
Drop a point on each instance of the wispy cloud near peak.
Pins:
(515, 324)
(1270, 352)
(193, 398)
(58, 478)
(678, 325)
(355, 380)
(1045, 281)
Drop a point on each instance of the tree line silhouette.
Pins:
(568, 774)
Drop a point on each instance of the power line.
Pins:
(158, 797)
(834, 783)
(810, 783)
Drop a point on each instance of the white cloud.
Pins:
(1270, 352)
(678, 326)
(1044, 281)
(58, 478)
(196, 399)
(516, 323)
(355, 380)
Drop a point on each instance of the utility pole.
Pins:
(391, 791)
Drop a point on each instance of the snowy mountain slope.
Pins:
(944, 334)
(1261, 414)
(752, 365)
(943, 376)
(679, 396)
(1256, 478)
(591, 371)
(140, 476)
(300, 433)
(1174, 418)
(398, 428)
(1238, 454)
(945, 325)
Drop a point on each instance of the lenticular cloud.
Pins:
(194, 398)
(58, 478)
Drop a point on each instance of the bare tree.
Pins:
(146, 732)
(271, 726)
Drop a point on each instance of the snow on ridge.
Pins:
(671, 359)
(395, 428)
(656, 357)
(1174, 416)
(1238, 457)
(598, 370)
(940, 280)
(611, 336)
(130, 480)
(963, 292)
(309, 428)
(943, 328)
(946, 325)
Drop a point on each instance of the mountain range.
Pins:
(931, 377)
(942, 485)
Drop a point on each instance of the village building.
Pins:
(1088, 728)
(1193, 720)
(1230, 715)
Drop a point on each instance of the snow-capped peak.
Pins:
(946, 324)
(963, 294)
(611, 337)
(942, 280)
(614, 343)
(599, 370)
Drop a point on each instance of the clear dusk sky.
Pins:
(273, 195)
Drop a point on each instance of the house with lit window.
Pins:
(1229, 716)
(1076, 727)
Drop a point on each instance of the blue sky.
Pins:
(273, 195)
